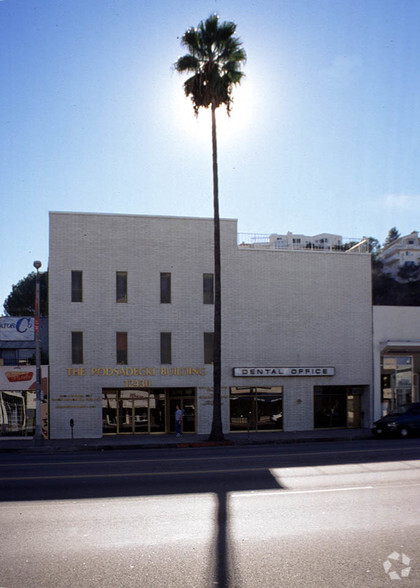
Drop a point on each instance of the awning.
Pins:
(397, 346)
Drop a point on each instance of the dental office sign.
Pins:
(248, 372)
(13, 328)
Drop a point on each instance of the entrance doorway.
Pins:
(187, 405)
(137, 411)
(337, 407)
(256, 409)
(397, 379)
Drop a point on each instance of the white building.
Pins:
(297, 241)
(404, 250)
(322, 241)
(131, 321)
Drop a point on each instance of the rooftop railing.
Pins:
(262, 241)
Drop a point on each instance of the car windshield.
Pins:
(400, 409)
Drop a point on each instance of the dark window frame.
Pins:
(76, 286)
(208, 341)
(208, 288)
(121, 282)
(77, 347)
(166, 348)
(165, 288)
(122, 347)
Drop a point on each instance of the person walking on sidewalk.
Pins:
(178, 421)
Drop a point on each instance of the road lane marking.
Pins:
(262, 494)
(314, 491)
(280, 472)
(209, 457)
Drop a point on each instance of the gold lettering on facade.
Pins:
(137, 383)
(136, 372)
(79, 371)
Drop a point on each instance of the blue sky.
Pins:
(324, 133)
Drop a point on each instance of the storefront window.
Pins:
(134, 411)
(256, 409)
(396, 381)
(337, 407)
(17, 413)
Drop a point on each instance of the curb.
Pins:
(206, 444)
(47, 448)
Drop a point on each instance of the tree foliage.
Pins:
(21, 300)
(409, 272)
(374, 245)
(389, 292)
(393, 235)
(215, 57)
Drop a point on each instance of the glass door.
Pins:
(157, 406)
(125, 412)
(109, 412)
(188, 411)
(132, 412)
(187, 405)
(140, 411)
(256, 409)
(354, 411)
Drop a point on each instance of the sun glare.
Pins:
(228, 127)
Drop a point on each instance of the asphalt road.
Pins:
(320, 514)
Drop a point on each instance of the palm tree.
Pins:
(215, 58)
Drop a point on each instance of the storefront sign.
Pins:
(139, 377)
(247, 372)
(20, 378)
(18, 400)
(136, 371)
(13, 328)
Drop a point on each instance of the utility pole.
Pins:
(38, 438)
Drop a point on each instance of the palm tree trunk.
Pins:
(217, 429)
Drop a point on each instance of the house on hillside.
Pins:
(404, 251)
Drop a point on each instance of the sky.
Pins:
(323, 136)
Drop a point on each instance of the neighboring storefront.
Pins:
(396, 355)
(17, 340)
(131, 321)
(18, 376)
(18, 400)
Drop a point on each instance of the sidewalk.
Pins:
(9, 444)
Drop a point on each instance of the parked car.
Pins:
(403, 421)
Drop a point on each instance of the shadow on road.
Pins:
(219, 482)
(181, 472)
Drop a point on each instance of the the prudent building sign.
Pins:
(246, 372)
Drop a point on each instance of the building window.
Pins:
(77, 347)
(208, 289)
(208, 347)
(337, 406)
(122, 354)
(165, 288)
(76, 286)
(166, 348)
(121, 286)
(256, 409)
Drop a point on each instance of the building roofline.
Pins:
(131, 215)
